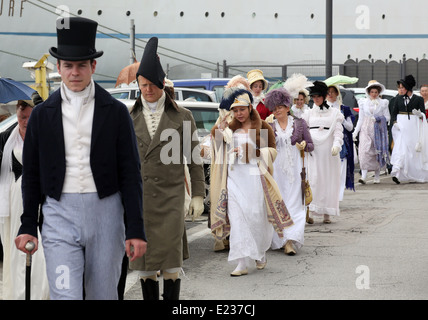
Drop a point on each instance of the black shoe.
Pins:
(396, 180)
(171, 289)
(150, 289)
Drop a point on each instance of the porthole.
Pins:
(181, 13)
(155, 14)
(253, 15)
(276, 15)
(222, 14)
(79, 12)
(312, 15)
(100, 12)
(207, 14)
(128, 13)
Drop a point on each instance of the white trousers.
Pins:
(84, 242)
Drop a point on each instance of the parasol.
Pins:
(340, 80)
(128, 74)
(276, 85)
(11, 90)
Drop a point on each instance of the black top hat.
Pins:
(150, 66)
(76, 41)
(319, 88)
(408, 82)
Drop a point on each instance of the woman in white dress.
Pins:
(334, 99)
(373, 153)
(14, 261)
(292, 137)
(324, 168)
(241, 207)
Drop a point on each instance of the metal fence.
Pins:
(386, 72)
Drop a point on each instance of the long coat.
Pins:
(113, 159)
(163, 185)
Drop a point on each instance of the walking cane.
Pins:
(29, 247)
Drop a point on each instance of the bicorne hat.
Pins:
(76, 41)
(150, 66)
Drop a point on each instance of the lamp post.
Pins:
(329, 39)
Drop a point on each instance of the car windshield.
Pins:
(205, 119)
(197, 96)
(218, 92)
(120, 95)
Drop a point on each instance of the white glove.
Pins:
(354, 136)
(196, 207)
(270, 118)
(417, 113)
(301, 146)
(335, 151)
(396, 126)
(418, 147)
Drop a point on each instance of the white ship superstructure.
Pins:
(196, 36)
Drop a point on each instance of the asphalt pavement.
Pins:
(377, 249)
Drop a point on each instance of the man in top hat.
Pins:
(324, 169)
(82, 169)
(166, 133)
(409, 130)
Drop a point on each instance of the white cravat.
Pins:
(77, 116)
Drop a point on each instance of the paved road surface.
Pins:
(376, 249)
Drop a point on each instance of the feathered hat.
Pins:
(297, 83)
(277, 97)
(235, 96)
(408, 82)
(238, 81)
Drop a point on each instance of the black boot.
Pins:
(150, 289)
(171, 289)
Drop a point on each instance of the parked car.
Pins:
(360, 93)
(212, 84)
(133, 93)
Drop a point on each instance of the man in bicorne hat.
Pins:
(165, 134)
(409, 156)
(82, 169)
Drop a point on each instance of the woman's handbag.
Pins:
(307, 191)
